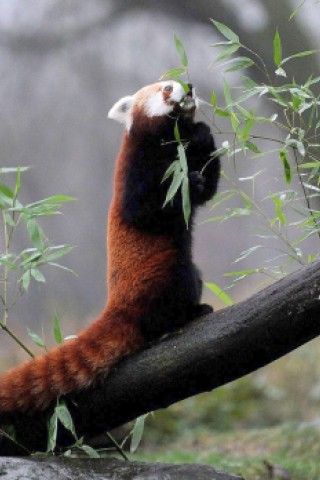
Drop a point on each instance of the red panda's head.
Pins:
(161, 99)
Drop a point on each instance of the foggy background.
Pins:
(63, 65)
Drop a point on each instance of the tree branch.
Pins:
(209, 352)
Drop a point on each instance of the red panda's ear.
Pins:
(121, 110)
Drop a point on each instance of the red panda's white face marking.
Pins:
(156, 100)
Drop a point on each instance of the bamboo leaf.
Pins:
(242, 273)
(241, 63)
(222, 113)
(6, 194)
(183, 159)
(25, 280)
(226, 31)
(177, 133)
(35, 233)
(137, 433)
(52, 432)
(65, 418)
(35, 338)
(37, 275)
(91, 452)
(170, 170)
(227, 93)
(286, 166)
(297, 9)
(227, 52)
(277, 49)
(213, 99)
(13, 169)
(299, 55)
(57, 330)
(186, 204)
(221, 294)
(181, 51)
(175, 184)
(174, 72)
(57, 252)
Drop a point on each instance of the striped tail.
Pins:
(73, 366)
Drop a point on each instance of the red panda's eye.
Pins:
(167, 88)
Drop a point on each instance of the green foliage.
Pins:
(179, 172)
(137, 433)
(19, 268)
(62, 417)
(296, 123)
(287, 452)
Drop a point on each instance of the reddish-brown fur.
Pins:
(141, 268)
(78, 362)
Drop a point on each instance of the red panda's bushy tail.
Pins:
(73, 366)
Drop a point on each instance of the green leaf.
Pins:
(301, 148)
(57, 330)
(248, 125)
(278, 205)
(137, 433)
(57, 252)
(35, 233)
(6, 194)
(55, 199)
(65, 418)
(4, 261)
(35, 338)
(174, 72)
(310, 165)
(227, 52)
(91, 452)
(241, 63)
(222, 113)
(296, 102)
(13, 169)
(221, 294)
(242, 273)
(186, 204)
(299, 55)
(177, 133)
(52, 432)
(251, 146)
(286, 166)
(183, 159)
(181, 51)
(226, 31)
(227, 93)
(222, 197)
(62, 267)
(297, 9)
(174, 167)
(25, 280)
(37, 275)
(281, 72)
(18, 182)
(247, 252)
(277, 49)
(175, 184)
(213, 99)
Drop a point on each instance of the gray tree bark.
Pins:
(209, 352)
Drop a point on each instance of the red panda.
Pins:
(153, 286)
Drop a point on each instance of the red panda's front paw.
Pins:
(201, 138)
(197, 182)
